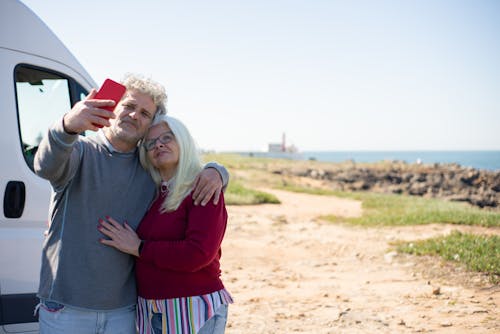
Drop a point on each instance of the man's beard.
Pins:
(125, 135)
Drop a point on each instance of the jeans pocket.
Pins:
(51, 306)
(156, 323)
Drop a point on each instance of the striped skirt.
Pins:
(184, 315)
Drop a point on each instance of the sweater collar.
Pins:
(166, 186)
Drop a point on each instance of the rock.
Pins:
(393, 178)
(436, 291)
(395, 189)
(389, 257)
(361, 185)
(316, 174)
(344, 312)
(470, 177)
(496, 187)
(478, 310)
(448, 181)
(458, 198)
(420, 177)
(418, 188)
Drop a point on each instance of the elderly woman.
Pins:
(177, 244)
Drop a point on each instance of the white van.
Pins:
(39, 81)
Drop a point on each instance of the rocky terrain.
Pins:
(447, 181)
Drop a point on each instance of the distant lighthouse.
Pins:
(281, 147)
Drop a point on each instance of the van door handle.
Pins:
(14, 198)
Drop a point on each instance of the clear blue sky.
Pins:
(332, 75)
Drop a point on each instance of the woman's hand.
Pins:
(122, 237)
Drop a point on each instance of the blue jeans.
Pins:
(214, 325)
(55, 318)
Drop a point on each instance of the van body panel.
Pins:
(25, 43)
(34, 37)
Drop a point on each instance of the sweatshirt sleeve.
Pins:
(204, 233)
(224, 174)
(58, 156)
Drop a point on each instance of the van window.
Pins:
(42, 97)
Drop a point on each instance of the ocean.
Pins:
(487, 160)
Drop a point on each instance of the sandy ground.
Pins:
(290, 272)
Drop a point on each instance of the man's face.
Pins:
(134, 114)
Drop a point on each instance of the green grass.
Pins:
(391, 209)
(477, 252)
(237, 194)
(311, 190)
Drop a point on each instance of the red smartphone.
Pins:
(110, 90)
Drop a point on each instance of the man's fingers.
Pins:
(197, 189)
(93, 128)
(97, 115)
(88, 117)
(97, 111)
(207, 194)
(100, 103)
(91, 95)
(208, 184)
(201, 194)
(96, 120)
(217, 195)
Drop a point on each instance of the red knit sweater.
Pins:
(181, 252)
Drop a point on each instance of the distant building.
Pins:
(275, 148)
(281, 147)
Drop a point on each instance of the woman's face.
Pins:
(162, 148)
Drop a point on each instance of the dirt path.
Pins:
(289, 272)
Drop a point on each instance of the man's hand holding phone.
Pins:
(95, 110)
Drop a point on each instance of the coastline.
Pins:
(477, 159)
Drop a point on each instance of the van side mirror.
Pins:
(14, 198)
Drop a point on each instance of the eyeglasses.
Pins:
(164, 138)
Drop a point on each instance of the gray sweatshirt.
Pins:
(90, 180)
